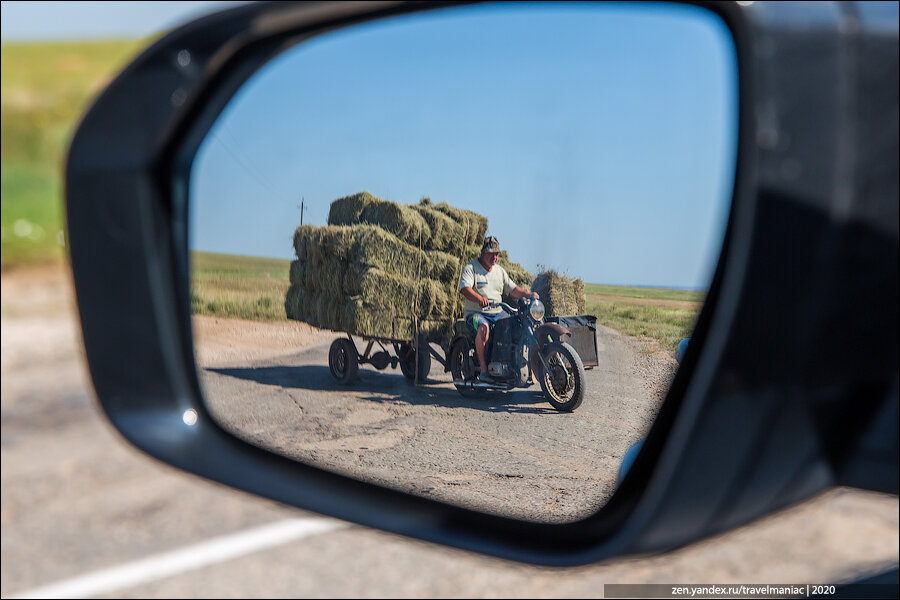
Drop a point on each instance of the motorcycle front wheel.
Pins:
(563, 381)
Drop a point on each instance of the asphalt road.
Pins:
(77, 499)
(507, 453)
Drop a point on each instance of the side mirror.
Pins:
(808, 270)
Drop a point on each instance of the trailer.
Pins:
(412, 355)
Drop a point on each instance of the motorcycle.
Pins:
(521, 347)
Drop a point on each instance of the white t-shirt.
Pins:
(492, 285)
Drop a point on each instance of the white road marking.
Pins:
(175, 562)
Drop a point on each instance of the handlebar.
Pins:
(509, 309)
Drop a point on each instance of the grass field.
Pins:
(239, 287)
(44, 89)
(246, 287)
(665, 315)
(595, 289)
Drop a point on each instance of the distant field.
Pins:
(239, 287)
(665, 315)
(642, 292)
(44, 89)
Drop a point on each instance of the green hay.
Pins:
(578, 289)
(347, 210)
(362, 275)
(401, 296)
(389, 285)
(364, 208)
(352, 314)
(519, 274)
(477, 224)
(560, 295)
(325, 275)
(448, 234)
(374, 247)
(424, 225)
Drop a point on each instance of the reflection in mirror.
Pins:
(343, 196)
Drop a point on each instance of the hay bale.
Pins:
(325, 275)
(366, 319)
(371, 246)
(431, 227)
(519, 274)
(578, 289)
(315, 244)
(359, 278)
(560, 294)
(347, 210)
(302, 305)
(362, 274)
(448, 234)
(292, 303)
(364, 208)
(357, 316)
(399, 295)
(379, 270)
(477, 224)
(297, 272)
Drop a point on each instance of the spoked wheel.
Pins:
(563, 382)
(463, 363)
(343, 361)
(409, 361)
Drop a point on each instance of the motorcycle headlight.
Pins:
(537, 310)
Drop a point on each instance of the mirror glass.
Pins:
(344, 195)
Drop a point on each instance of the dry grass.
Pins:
(242, 287)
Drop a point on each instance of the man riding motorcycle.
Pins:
(482, 282)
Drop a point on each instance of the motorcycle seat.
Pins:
(460, 328)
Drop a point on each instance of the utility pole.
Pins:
(301, 209)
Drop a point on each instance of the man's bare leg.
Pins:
(480, 340)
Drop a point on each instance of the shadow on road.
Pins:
(390, 387)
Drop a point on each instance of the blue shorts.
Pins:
(475, 320)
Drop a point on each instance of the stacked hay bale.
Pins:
(560, 294)
(379, 264)
(426, 225)
(519, 274)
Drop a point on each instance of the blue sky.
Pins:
(599, 140)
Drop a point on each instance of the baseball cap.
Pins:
(491, 244)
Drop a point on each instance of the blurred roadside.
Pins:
(44, 89)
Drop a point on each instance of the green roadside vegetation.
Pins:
(44, 90)
(239, 287)
(668, 326)
(665, 315)
(620, 291)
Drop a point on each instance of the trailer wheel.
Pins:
(409, 360)
(343, 361)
